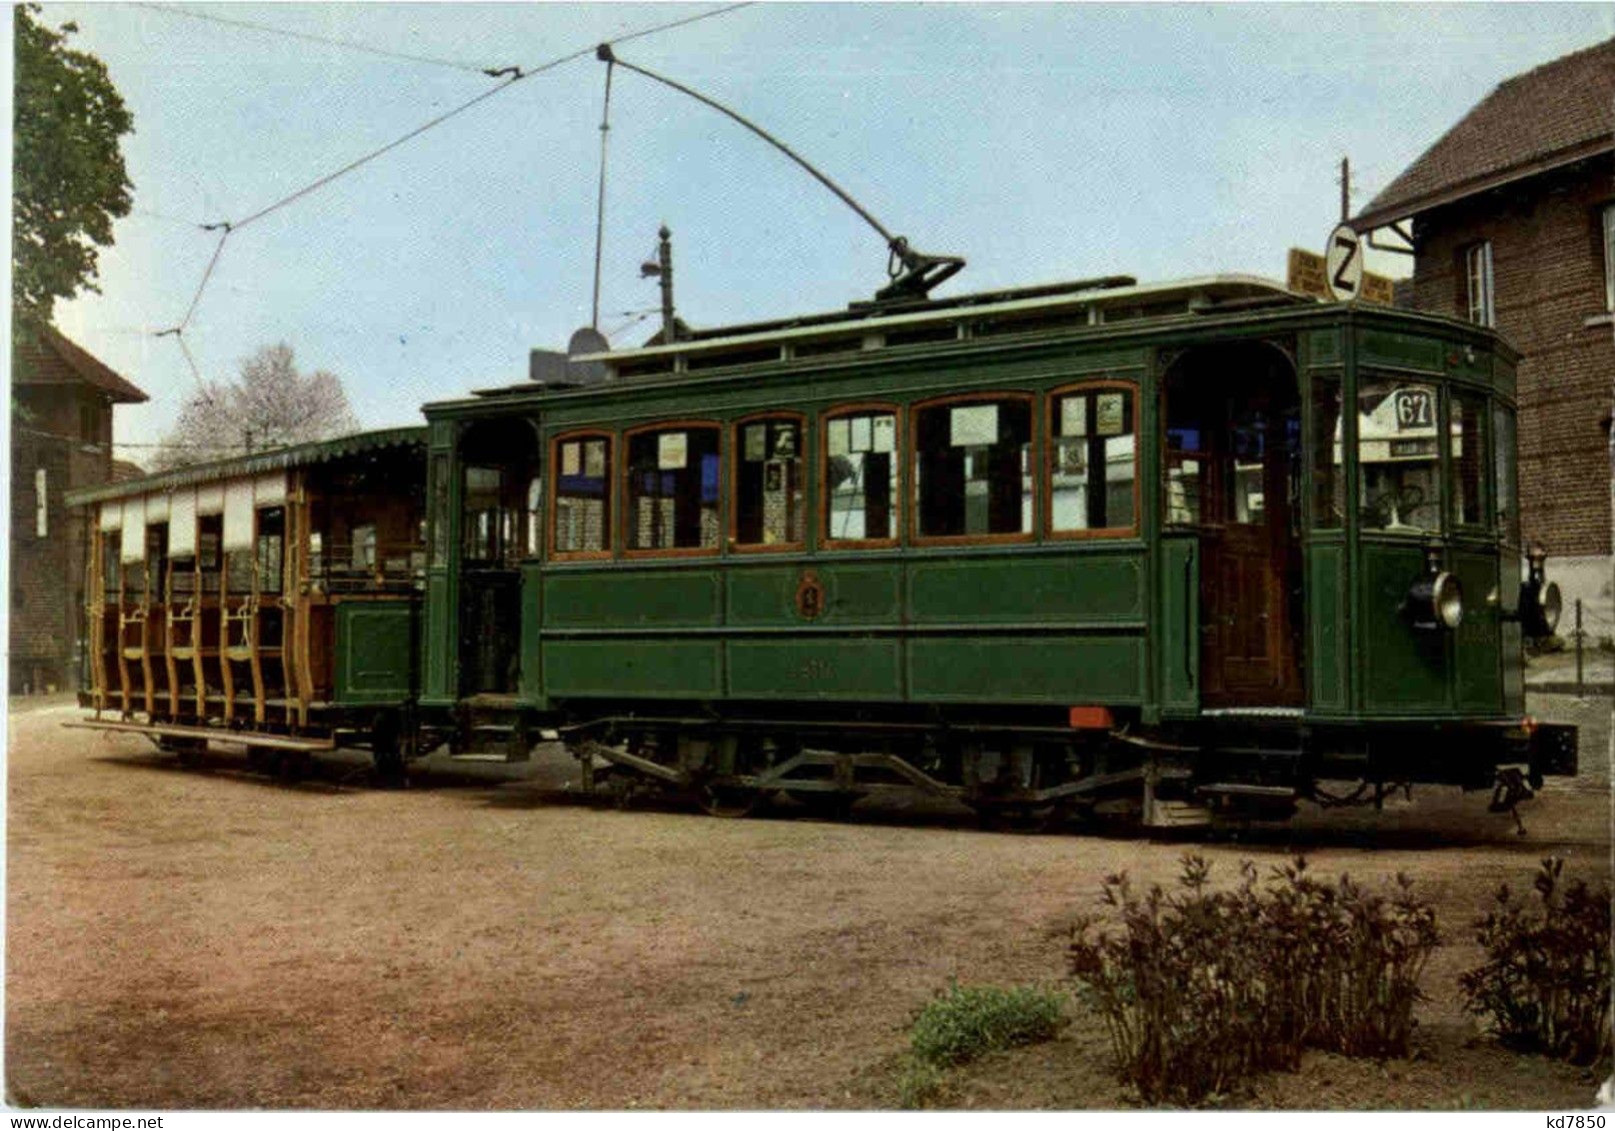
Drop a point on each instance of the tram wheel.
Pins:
(726, 801)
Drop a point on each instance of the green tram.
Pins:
(1165, 550)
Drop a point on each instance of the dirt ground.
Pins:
(204, 937)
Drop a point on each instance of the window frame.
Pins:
(1049, 532)
(1488, 290)
(552, 504)
(857, 408)
(1607, 238)
(1033, 461)
(1485, 477)
(732, 495)
(628, 551)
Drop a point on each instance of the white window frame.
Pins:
(1609, 256)
(41, 503)
(1479, 285)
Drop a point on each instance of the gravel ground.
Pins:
(203, 937)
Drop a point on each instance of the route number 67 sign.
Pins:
(1343, 263)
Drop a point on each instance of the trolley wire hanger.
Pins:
(912, 273)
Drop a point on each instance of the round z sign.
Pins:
(1343, 263)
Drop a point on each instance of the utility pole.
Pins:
(662, 269)
(1345, 189)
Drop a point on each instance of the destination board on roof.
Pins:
(1308, 274)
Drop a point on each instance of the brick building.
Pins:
(1511, 214)
(62, 401)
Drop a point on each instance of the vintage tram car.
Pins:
(1164, 550)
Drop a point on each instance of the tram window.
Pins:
(440, 510)
(535, 507)
(209, 536)
(363, 557)
(1093, 466)
(111, 563)
(157, 559)
(1466, 459)
(973, 468)
(483, 527)
(860, 452)
(582, 496)
(1508, 514)
(769, 507)
(1328, 455)
(1185, 475)
(673, 488)
(1399, 464)
(270, 543)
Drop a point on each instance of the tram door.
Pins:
(498, 528)
(1233, 467)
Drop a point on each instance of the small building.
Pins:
(1511, 214)
(62, 400)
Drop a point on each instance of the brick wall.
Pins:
(1548, 272)
(47, 573)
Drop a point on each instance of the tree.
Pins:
(68, 178)
(269, 406)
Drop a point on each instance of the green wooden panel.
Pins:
(532, 672)
(1086, 587)
(633, 598)
(1027, 669)
(816, 669)
(1479, 677)
(1503, 377)
(854, 594)
(437, 645)
(1327, 638)
(374, 664)
(1403, 669)
(1323, 347)
(1403, 350)
(1513, 668)
(625, 668)
(1178, 630)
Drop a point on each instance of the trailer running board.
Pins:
(207, 734)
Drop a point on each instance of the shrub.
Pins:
(1203, 987)
(1545, 984)
(966, 1021)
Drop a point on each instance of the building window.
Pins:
(41, 504)
(1609, 257)
(973, 468)
(1478, 288)
(90, 423)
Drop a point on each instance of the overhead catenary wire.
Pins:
(309, 37)
(515, 75)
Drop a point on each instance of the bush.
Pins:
(1202, 988)
(1545, 984)
(967, 1021)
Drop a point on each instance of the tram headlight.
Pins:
(1553, 604)
(1436, 600)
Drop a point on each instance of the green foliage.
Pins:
(967, 1021)
(1202, 987)
(1545, 984)
(920, 1084)
(68, 176)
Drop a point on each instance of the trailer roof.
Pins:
(237, 467)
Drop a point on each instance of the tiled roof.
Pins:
(45, 356)
(1560, 112)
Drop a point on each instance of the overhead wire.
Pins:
(309, 37)
(513, 76)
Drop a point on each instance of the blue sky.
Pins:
(1041, 142)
